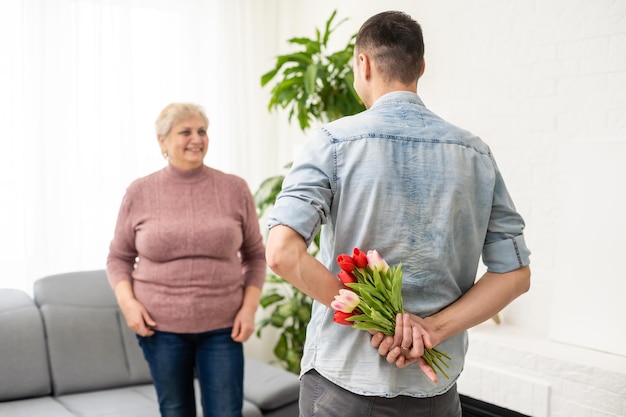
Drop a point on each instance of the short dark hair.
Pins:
(395, 43)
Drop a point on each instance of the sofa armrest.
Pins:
(23, 358)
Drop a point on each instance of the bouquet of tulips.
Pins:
(374, 298)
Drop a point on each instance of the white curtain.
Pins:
(81, 83)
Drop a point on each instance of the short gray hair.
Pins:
(174, 113)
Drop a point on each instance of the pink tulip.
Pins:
(345, 301)
(375, 261)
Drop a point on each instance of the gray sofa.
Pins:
(67, 352)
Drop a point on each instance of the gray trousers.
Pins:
(321, 398)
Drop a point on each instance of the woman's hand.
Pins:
(243, 327)
(135, 314)
(137, 317)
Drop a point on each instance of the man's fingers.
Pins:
(398, 337)
(386, 345)
(425, 367)
(407, 332)
(377, 339)
(395, 355)
(417, 348)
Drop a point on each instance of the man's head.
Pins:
(394, 46)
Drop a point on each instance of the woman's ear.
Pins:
(161, 140)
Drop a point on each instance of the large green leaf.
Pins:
(287, 309)
(277, 320)
(280, 350)
(310, 79)
(270, 298)
(266, 194)
(311, 47)
(327, 29)
(268, 76)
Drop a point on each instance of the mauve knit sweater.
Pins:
(189, 241)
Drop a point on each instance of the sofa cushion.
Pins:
(86, 349)
(118, 402)
(248, 410)
(34, 407)
(23, 361)
(268, 386)
(89, 345)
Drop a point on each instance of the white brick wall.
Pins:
(540, 378)
(510, 389)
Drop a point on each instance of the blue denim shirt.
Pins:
(424, 193)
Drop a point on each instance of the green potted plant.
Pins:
(316, 86)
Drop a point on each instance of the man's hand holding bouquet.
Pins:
(372, 301)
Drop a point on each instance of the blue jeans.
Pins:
(213, 357)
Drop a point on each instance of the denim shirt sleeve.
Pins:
(306, 196)
(505, 248)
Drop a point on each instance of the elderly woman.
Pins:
(187, 266)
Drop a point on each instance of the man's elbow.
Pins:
(279, 252)
(274, 256)
(524, 280)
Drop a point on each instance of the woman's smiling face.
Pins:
(187, 143)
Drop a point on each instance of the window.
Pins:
(81, 83)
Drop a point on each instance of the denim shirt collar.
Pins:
(401, 96)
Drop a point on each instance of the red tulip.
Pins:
(340, 317)
(345, 262)
(360, 258)
(346, 277)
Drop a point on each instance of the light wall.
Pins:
(542, 82)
